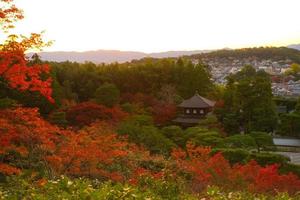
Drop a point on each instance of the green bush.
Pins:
(289, 167)
(243, 156)
(192, 131)
(174, 133)
(7, 103)
(58, 118)
(214, 193)
(65, 188)
(263, 140)
(140, 130)
(234, 155)
(141, 120)
(239, 141)
(206, 139)
(107, 94)
(128, 107)
(202, 136)
(268, 158)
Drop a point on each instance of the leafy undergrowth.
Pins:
(146, 189)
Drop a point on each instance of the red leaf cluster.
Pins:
(216, 170)
(85, 113)
(22, 130)
(89, 152)
(162, 111)
(14, 69)
(9, 13)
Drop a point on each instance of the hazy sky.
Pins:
(161, 25)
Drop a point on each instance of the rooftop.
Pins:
(197, 101)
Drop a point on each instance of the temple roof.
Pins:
(197, 101)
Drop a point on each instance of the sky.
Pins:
(161, 25)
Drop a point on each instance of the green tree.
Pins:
(263, 140)
(140, 130)
(293, 70)
(174, 133)
(107, 94)
(248, 104)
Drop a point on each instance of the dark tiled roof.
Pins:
(186, 120)
(197, 102)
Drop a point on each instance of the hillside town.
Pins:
(287, 86)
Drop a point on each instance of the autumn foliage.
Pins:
(215, 170)
(90, 153)
(14, 69)
(22, 131)
(9, 13)
(87, 112)
(162, 112)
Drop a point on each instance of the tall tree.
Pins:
(248, 104)
(15, 72)
(107, 94)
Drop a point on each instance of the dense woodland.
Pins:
(87, 131)
(261, 53)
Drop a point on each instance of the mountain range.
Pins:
(294, 46)
(109, 56)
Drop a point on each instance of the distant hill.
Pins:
(294, 46)
(261, 53)
(109, 56)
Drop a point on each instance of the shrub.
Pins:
(286, 168)
(87, 112)
(7, 103)
(263, 140)
(163, 112)
(239, 141)
(207, 139)
(215, 193)
(234, 155)
(107, 94)
(192, 131)
(58, 118)
(202, 136)
(139, 130)
(174, 133)
(25, 139)
(268, 158)
(216, 170)
(128, 107)
(66, 188)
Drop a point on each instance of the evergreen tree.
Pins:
(107, 94)
(248, 104)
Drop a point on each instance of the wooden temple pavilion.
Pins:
(193, 109)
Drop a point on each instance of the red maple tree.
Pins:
(14, 69)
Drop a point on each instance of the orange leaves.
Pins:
(87, 112)
(163, 112)
(14, 69)
(9, 170)
(89, 152)
(216, 170)
(13, 64)
(9, 13)
(22, 130)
